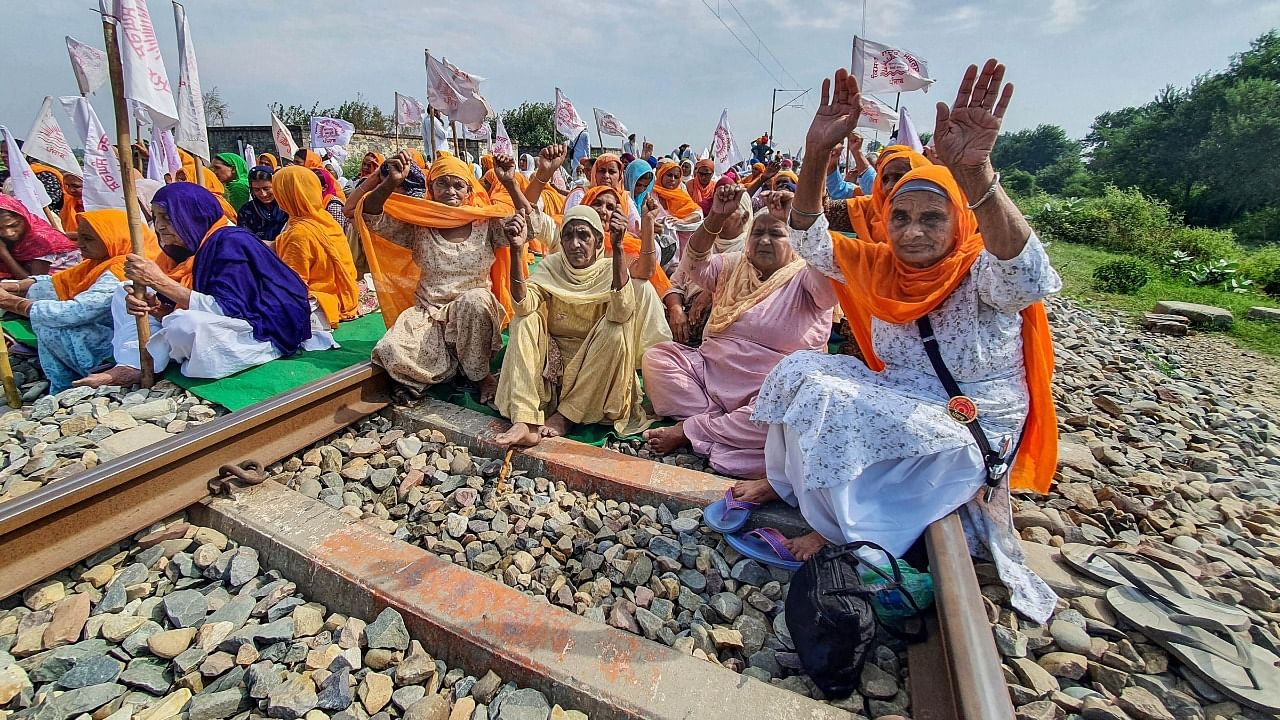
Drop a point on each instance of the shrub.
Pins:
(1258, 228)
(1204, 244)
(1019, 183)
(1263, 267)
(1119, 220)
(1125, 276)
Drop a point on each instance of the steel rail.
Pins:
(66, 521)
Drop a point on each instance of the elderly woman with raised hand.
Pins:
(861, 214)
(220, 301)
(583, 322)
(71, 312)
(262, 215)
(29, 245)
(766, 304)
(959, 360)
(436, 263)
(314, 246)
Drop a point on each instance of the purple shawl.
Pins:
(236, 269)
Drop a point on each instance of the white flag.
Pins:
(27, 188)
(883, 69)
(876, 115)
(456, 93)
(285, 146)
(567, 120)
(724, 149)
(482, 134)
(47, 144)
(89, 64)
(145, 79)
(907, 134)
(609, 124)
(250, 155)
(330, 132)
(502, 142)
(102, 187)
(193, 132)
(408, 110)
(162, 157)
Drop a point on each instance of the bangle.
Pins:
(716, 233)
(518, 280)
(539, 179)
(795, 211)
(649, 252)
(987, 195)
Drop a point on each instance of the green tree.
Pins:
(530, 126)
(1033, 150)
(359, 112)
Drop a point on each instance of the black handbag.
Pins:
(831, 618)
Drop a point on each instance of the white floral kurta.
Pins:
(875, 456)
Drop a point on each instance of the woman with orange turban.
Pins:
(314, 245)
(702, 185)
(959, 360)
(71, 311)
(440, 265)
(607, 171)
(673, 196)
(860, 214)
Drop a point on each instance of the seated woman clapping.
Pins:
(766, 303)
(880, 450)
(314, 246)
(583, 322)
(452, 243)
(220, 301)
(71, 312)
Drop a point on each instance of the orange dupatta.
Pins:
(112, 226)
(395, 274)
(312, 160)
(70, 206)
(624, 198)
(630, 243)
(881, 286)
(865, 210)
(314, 245)
(268, 160)
(676, 201)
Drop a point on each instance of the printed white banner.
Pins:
(250, 155)
(193, 132)
(408, 110)
(456, 93)
(482, 134)
(27, 188)
(102, 186)
(145, 79)
(330, 132)
(609, 124)
(162, 157)
(89, 65)
(46, 142)
(876, 115)
(882, 69)
(568, 122)
(907, 134)
(285, 146)
(724, 149)
(502, 142)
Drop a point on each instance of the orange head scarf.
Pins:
(71, 206)
(268, 160)
(624, 201)
(311, 159)
(865, 210)
(112, 226)
(418, 159)
(698, 192)
(783, 175)
(630, 243)
(880, 285)
(297, 192)
(677, 200)
(395, 274)
(486, 162)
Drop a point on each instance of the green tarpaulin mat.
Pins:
(20, 330)
(357, 338)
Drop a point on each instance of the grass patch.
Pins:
(1076, 264)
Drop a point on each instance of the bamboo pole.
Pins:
(11, 394)
(53, 218)
(457, 149)
(130, 190)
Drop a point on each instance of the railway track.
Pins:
(464, 617)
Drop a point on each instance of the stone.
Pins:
(91, 670)
(1064, 665)
(118, 420)
(876, 683)
(387, 631)
(524, 704)
(1205, 316)
(375, 692)
(185, 608)
(170, 644)
(147, 674)
(1070, 637)
(86, 700)
(1141, 704)
(69, 617)
(291, 699)
(214, 706)
(1264, 313)
(1095, 708)
(486, 687)
(1034, 677)
(13, 680)
(123, 443)
(334, 692)
(308, 619)
(243, 567)
(43, 595)
(170, 707)
(436, 707)
(152, 410)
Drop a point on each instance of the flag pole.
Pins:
(599, 135)
(130, 190)
(457, 150)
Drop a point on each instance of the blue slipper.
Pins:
(765, 545)
(728, 515)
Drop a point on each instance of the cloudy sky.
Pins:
(665, 67)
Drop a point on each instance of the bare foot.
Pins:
(666, 440)
(121, 375)
(754, 491)
(557, 426)
(806, 546)
(488, 389)
(520, 435)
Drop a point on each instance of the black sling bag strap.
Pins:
(963, 409)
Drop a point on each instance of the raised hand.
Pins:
(617, 229)
(779, 203)
(965, 133)
(516, 228)
(838, 112)
(726, 201)
(651, 208)
(855, 142)
(504, 166)
(833, 159)
(550, 159)
(397, 168)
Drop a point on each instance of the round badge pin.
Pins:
(962, 409)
